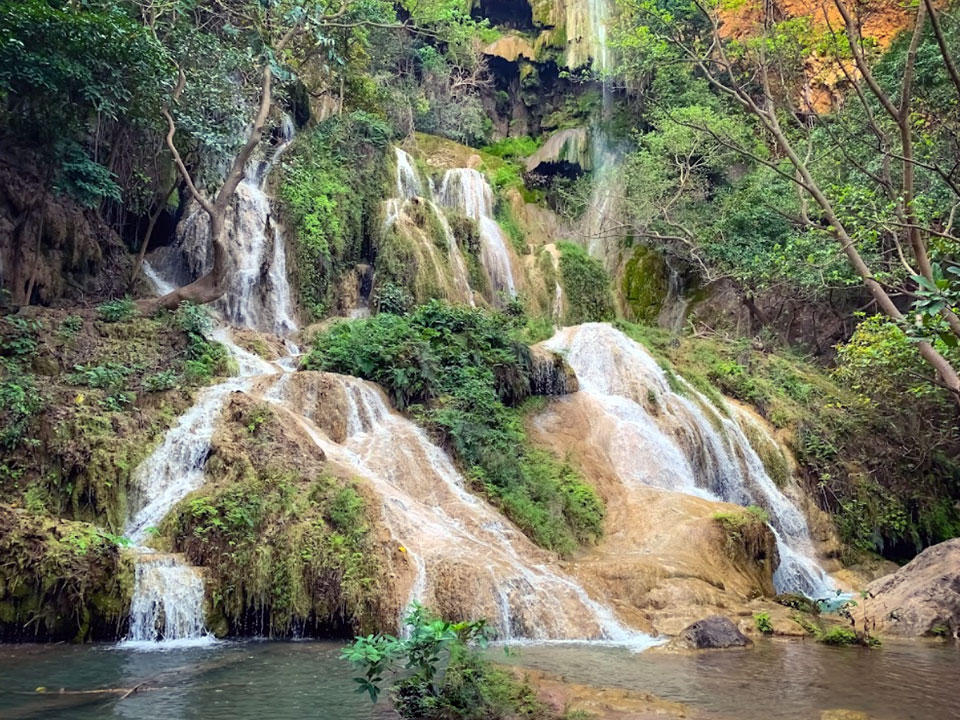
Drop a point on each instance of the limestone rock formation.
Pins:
(550, 374)
(712, 633)
(921, 598)
(571, 146)
(511, 48)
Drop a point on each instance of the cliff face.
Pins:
(53, 249)
(880, 20)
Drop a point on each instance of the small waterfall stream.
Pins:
(258, 295)
(467, 191)
(685, 445)
(409, 187)
(168, 595)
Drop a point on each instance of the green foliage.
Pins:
(205, 358)
(332, 182)
(586, 285)
(460, 371)
(514, 147)
(116, 310)
(111, 376)
(508, 223)
(444, 675)
(62, 64)
(393, 298)
(762, 621)
(60, 580)
(160, 381)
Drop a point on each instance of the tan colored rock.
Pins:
(921, 598)
(511, 48)
(664, 562)
(550, 374)
(570, 146)
(600, 703)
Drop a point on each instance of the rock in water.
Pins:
(921, 598)
(712, 633)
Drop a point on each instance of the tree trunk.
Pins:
(206, 289)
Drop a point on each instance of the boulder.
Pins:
(712, 633)
(921, 598)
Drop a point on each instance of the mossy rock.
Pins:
(644, 285)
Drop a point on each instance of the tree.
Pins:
(765, 75)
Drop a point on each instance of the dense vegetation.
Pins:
(459, 372)
(790, 189)
(333, 181)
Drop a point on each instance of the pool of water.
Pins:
(776, 680)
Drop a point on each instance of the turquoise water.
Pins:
(776, 680)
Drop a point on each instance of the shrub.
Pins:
(762, 621)
(332, 181)
(116, 310)
(159, 381)
(448, 677)
(586, 285)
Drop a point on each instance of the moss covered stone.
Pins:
(60, 580)
(644, 285)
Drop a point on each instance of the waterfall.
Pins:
(685, 445)
(258, 294)
(465, 557)
(467, 191)
(408, 182)
(167, 603)
(409, 187)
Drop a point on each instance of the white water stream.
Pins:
(168, 594)
(686, 445)
(467, 191)
(410, 187)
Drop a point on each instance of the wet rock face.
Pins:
(550, 374)
(921, 598)
(712, 633)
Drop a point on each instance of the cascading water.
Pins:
(685, 445)
(467, 191)
(168, 595)
(410, 187)
(490, 569)
(258, 295)
(167, 604)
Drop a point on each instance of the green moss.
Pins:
(100, 408)
(60, 580)
(644, 285)
(585, 284)
(331, 183)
